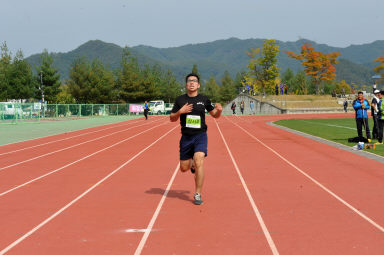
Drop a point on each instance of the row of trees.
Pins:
(92, 82)
(19, 81)
(318, 76)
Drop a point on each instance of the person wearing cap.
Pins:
(361, 105)
(380, 117)
(374, 112)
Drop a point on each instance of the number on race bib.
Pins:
(193, 121)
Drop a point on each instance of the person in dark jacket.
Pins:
(374, 111)
(380, 118)
(361, 106)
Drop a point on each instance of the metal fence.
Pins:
(34, 112)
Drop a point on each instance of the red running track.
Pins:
(118, 191)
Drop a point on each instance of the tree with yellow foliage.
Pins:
(319, 66)
(262, 67)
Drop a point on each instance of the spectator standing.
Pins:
(286, 89)
(277, 90)
(282, 89)
(380, 117)
(374, 112)
(252, 107)
(361, 106)
(233, 107)
(242, 107)
(346, 105)
(374, 87)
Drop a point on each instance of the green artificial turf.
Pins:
(336, 130)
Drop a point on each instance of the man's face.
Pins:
(192, 84)
(380, 95)
(360, 96)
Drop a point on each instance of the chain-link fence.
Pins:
(32, 112)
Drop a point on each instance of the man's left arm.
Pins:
(216, 112)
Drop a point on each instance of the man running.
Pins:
(191, 108)
(146, 110)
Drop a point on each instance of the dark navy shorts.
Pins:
(191, 144)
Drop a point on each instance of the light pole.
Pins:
(42, 91)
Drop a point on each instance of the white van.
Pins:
(10, 109)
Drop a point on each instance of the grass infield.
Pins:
(336, 130)
(11, 133)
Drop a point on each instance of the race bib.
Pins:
(193, 121)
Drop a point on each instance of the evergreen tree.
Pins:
(79, 85)
(101, 83)
(170, 88)
(149, 81)
(240, 80)
(5, 68)
(300, 84)
(21, 82)
(288, 79)
(227, 89)
(49, 77)
(212, 90)
(128, 81)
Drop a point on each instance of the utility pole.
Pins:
(42, 92)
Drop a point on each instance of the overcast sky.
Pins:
(61, 26)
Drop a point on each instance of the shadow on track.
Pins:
(180, 194)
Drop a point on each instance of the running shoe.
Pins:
(379, 143)
(197, 198)
(369, 140)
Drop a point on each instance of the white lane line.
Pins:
(140, 247)
(134, 230)
(74, 162)
(9, 247)
(254, 206)
(329, 125)
(70, 147)
(63, 139)
(316, 182)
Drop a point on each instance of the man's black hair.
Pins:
(382, 92)
(360, 92)
(192, 74)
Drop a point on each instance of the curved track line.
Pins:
(314, 181)
(74, 162)
(70, 147)
(9, 247)
(254, 206)
(140, 247)
(63, 139)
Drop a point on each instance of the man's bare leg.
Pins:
(198, 159)
(185, 165)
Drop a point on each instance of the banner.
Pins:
(136, 108)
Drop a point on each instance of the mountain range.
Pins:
(213, 58)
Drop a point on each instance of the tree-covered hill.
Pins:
(213, 58)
